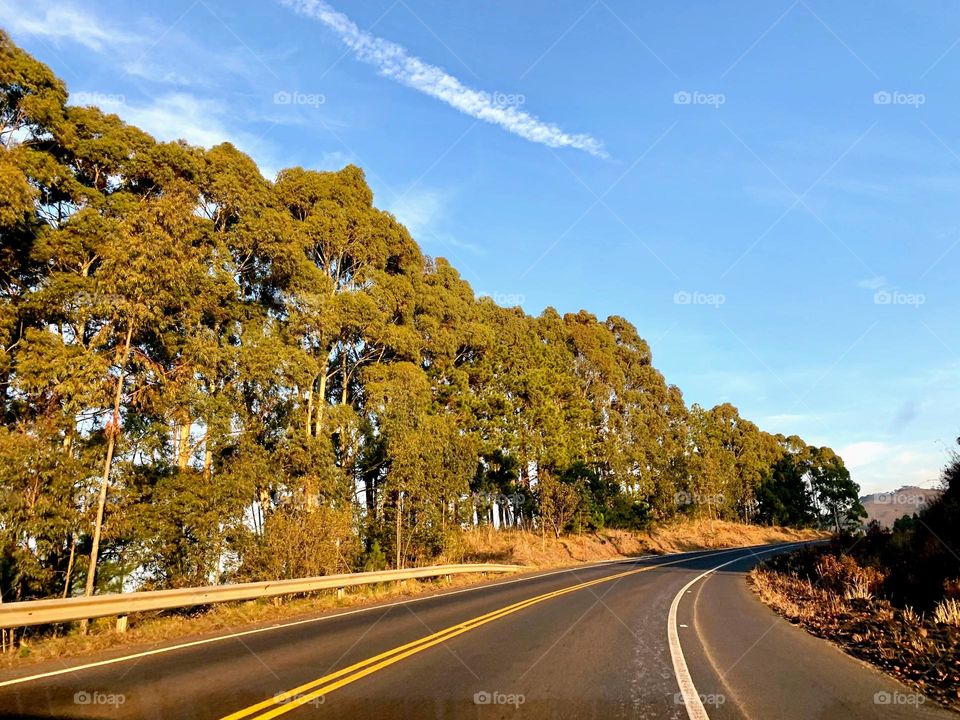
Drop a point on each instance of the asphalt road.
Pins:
(650, 638)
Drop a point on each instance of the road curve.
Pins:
(677, 636)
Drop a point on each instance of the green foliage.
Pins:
(374, 559)
(299, 542)
(783, 496)
(559, 501)
(905, 524)
(835, 494)
(265, 377)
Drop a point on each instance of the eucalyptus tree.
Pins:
(207, 375)
(425, 455)
(784, 496)
(834, 492)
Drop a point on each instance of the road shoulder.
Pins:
(762, 666)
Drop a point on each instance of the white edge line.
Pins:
(691, 698)
(254, 631)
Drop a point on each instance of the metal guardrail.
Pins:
(41, 612)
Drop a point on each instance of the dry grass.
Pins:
(843, 606)
(911, 617)
(858, 590)
(947, 612)
(480, 545)
(797, 600)
(527, 548)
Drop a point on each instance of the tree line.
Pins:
(208, 376)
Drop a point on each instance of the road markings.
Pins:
(280, 626)
(321, 618)
(691, 698)
(290, 700)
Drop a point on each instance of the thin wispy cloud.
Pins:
(874, 283)
(420, 212)
(59, 21)
(882, 466)
(393, 61)
(425, 214)
(174, 116)
(183, 116)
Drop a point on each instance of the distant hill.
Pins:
(889, 506)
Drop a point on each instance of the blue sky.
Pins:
(767, 190)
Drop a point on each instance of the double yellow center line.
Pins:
(316, 689)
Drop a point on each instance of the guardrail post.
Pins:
(340, 593)
(122, 624)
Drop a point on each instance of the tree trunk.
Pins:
(4, 633)
(308, 420)
(183, 443)
(255, 514)
(113, 431)
(264, 507)
(398, 521)
(207, 456)
(321, 400)
(69, 578)
(370, 495)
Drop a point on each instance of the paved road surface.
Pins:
(650, 638)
